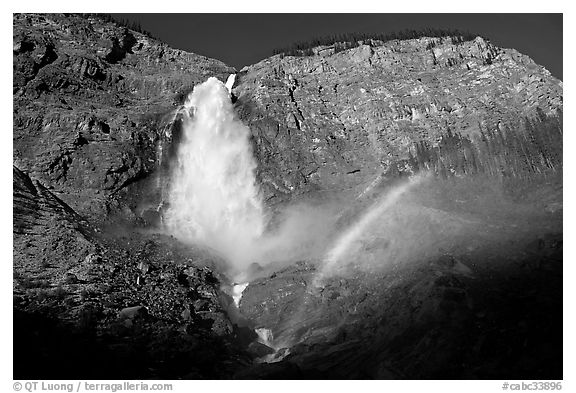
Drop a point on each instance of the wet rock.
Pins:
(260, 300)
(259, 350)
(390, 324)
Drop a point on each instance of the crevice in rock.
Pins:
(60, 166)
(140, 175)
(48, 57)
(120, 48)
(291, 94)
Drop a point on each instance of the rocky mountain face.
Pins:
(94, 112)
(334, 120)
(100, 293)
(89, 101)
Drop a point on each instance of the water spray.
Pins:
(213, 198)
(343, 244)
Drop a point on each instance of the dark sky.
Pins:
(243, 39)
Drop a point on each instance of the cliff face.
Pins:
(335, 120)
(350, 121)
(93, 103)
(89, 98)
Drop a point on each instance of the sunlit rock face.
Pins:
(90, 101)
(333, 120)
(384, 299)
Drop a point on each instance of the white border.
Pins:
(356, 6)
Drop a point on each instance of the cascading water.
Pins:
(230, 82)
(237, 290)
(213, 198)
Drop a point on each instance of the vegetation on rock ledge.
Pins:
(109, 18)
(346, 41)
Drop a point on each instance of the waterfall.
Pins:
(213, 198)
(237, 290)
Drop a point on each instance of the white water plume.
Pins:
(213, 198)
(237, 291)
(230, 82)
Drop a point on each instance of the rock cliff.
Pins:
(89, 101)
(94, 112)
(335, 120)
